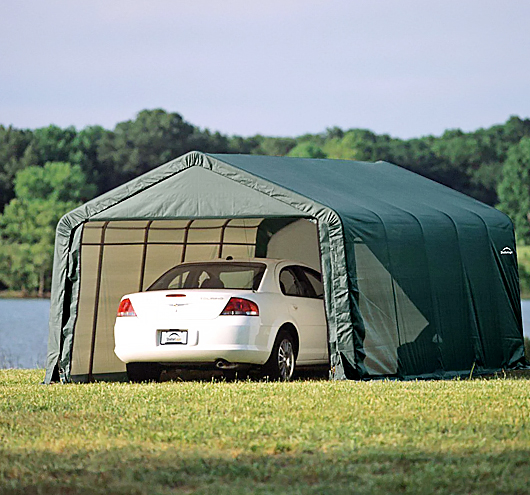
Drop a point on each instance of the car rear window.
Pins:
(240, 276)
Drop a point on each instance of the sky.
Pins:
(407, 68)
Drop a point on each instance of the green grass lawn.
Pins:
(252, 437)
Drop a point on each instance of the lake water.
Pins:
(24, 331)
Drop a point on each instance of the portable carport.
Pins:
(420, 280)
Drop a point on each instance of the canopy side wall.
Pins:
(446, 255)
(464, 255)
(442, 249)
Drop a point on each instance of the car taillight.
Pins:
(126, 308)
(239, 306)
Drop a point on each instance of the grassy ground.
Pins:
(251, 437)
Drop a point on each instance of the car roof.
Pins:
(267, 261)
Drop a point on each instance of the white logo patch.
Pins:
(506, 250)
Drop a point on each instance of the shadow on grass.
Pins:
(189, 375)
(149, 471)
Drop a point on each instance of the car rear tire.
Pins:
(281, 363)
(144, 372)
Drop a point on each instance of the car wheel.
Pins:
(144, 372)
(281, 363)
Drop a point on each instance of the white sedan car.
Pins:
(225, 315)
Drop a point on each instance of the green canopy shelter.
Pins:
(420, 281)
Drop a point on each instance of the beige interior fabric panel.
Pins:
(376, 303)
(123, 251)
(120, 275)
(245, 222)
(125, 231)
(167, 230)
(208, 223)
(159, 259)
(201, 252)
(238, 252)
(87, 297)
(297, 241)
(240, 235)
(92, 232)
(204, 235)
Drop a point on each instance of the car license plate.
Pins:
(173, 337)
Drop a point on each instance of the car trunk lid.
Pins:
(183, 304)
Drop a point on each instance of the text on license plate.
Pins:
(173, 337)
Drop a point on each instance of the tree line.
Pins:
(46, 172)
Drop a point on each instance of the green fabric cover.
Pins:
(449, 257)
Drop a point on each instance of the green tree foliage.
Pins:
(153, 138)
(272, 146)
(42, 196)
(472, 162)
(21, 149)
(468, 162)
(308, 149)
(246, 146)
(13, 146)
(356, 144)
(53, 144)
(84, 150)
(514, 188)
(136, 146)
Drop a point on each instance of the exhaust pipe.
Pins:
(223, 364)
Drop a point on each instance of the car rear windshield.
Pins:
(244, 276)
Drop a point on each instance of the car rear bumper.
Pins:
(242, 340)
